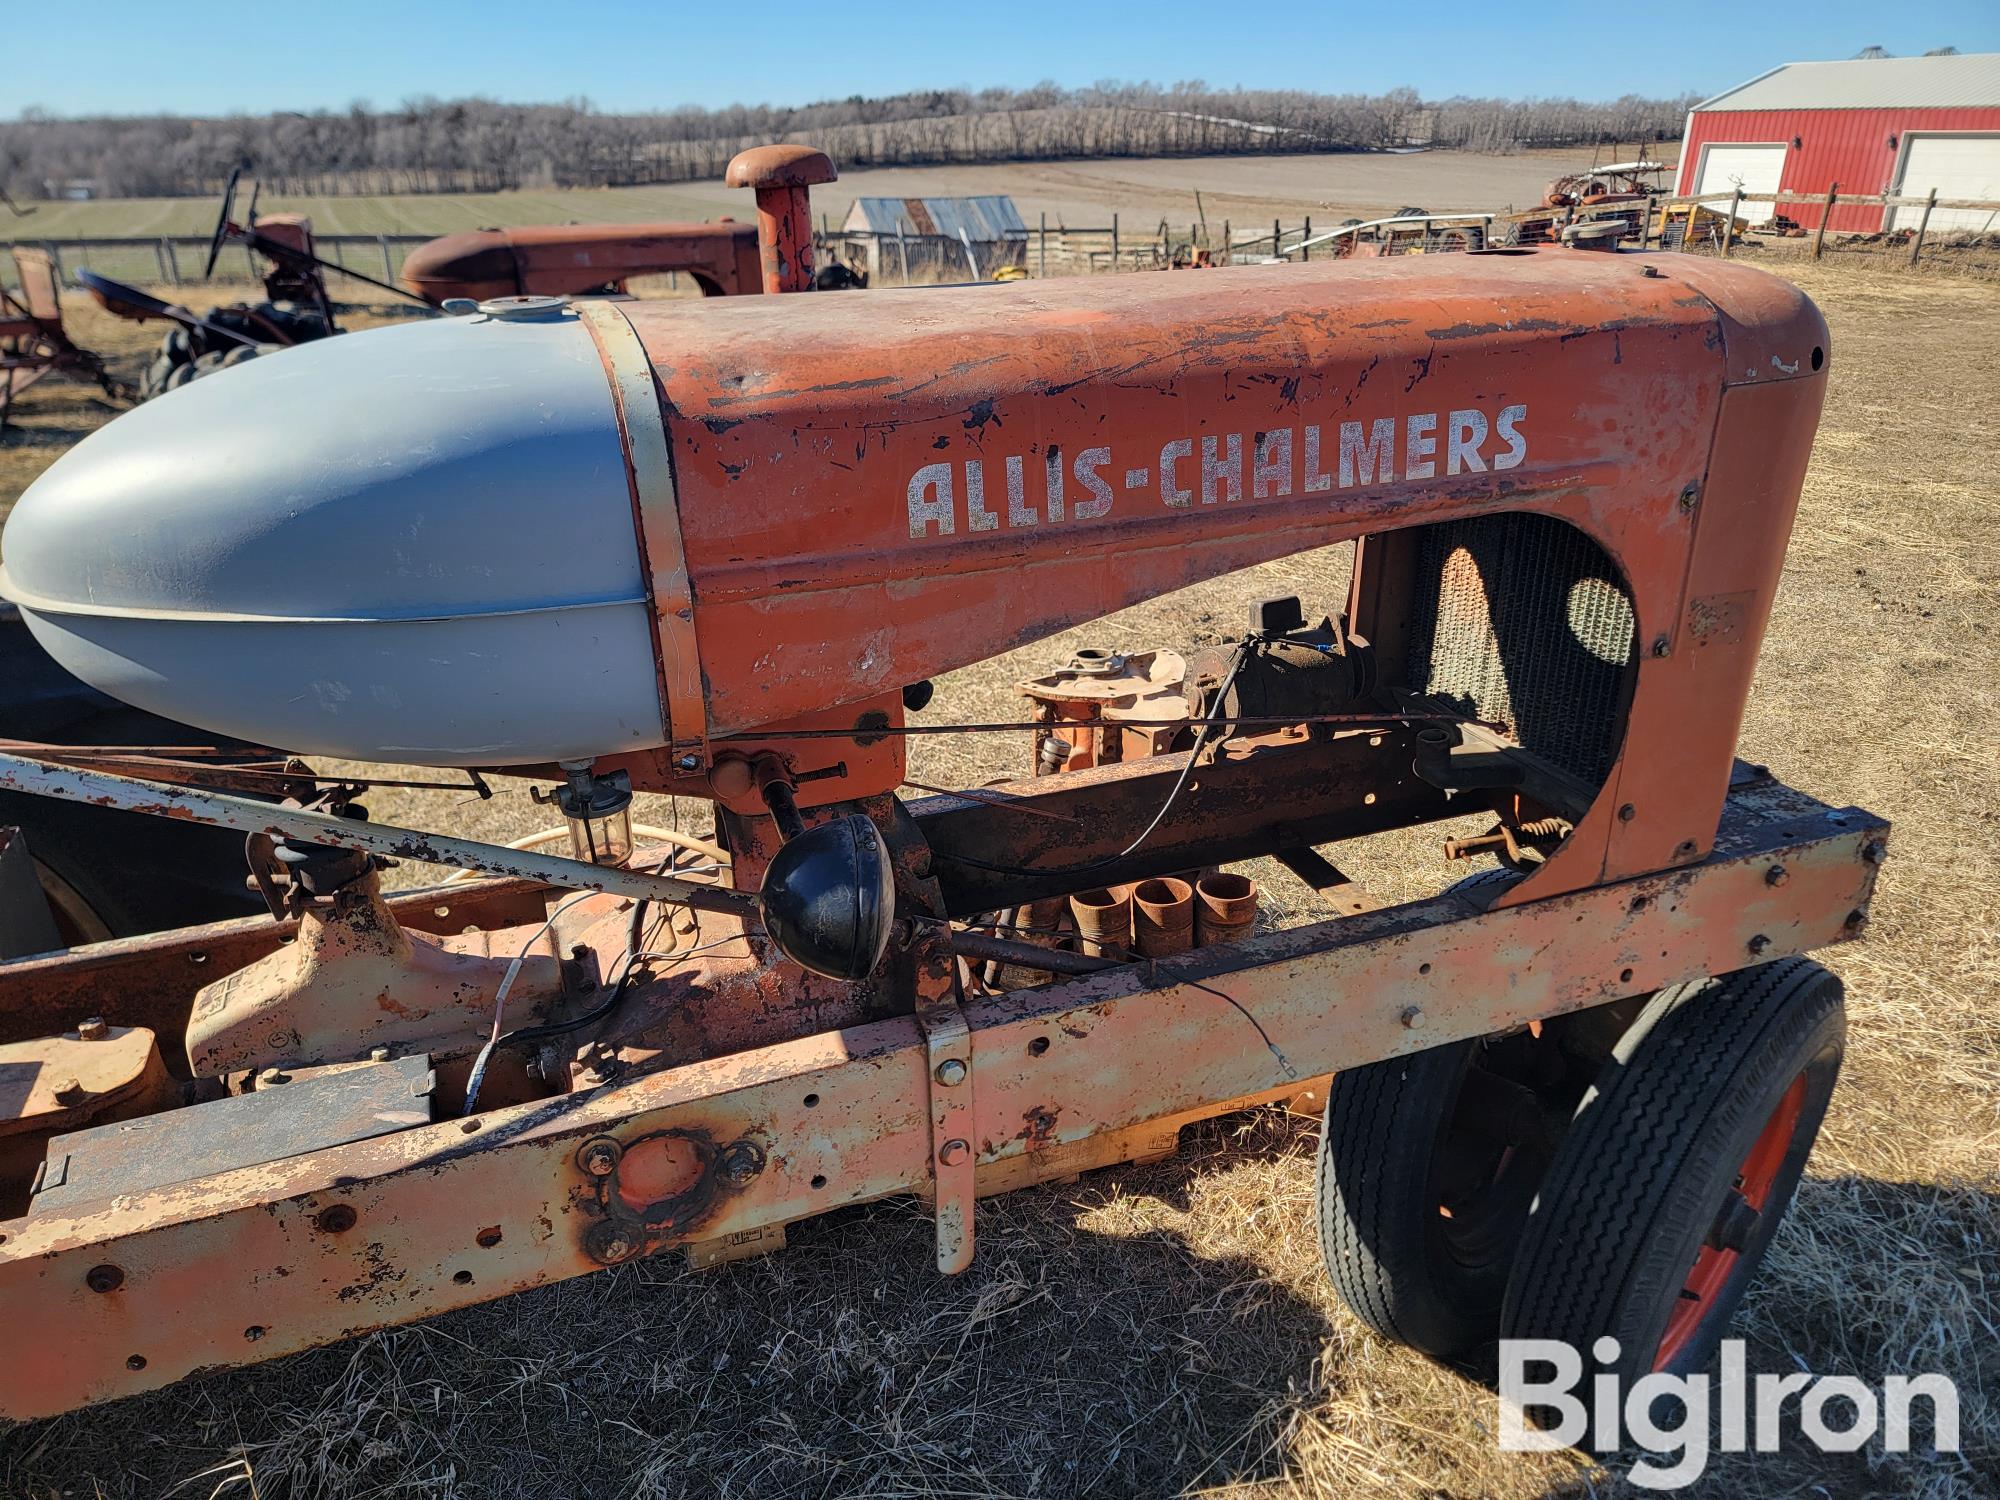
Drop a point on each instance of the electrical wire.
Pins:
(1209, 723)
(478, 1074)
(1385, 718)
(1154, 966)
(636, 950)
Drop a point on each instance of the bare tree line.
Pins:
(478, 145)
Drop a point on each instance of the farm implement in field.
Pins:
(296, 308)
(33, 341)
(461, 269)
(1569, 479)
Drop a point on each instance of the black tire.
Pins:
(295, 320)
(1403, 1140)
(257, 322)
(154, 381)
(226, 359)
(1717, 1083)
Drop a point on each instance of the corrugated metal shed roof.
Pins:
(983, 219)
(1970, 81)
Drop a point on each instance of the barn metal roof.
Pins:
(983, 219)
(1968, 81)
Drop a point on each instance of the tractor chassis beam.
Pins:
(132, 1294)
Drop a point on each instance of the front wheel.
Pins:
(1427, 1167)
(1681, 1161)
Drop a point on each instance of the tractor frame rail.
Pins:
(130, 1293)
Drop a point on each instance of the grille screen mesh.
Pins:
(1525, 620)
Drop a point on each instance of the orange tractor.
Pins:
(1568, 478)
(722, 258)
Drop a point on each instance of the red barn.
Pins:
(1888, 125)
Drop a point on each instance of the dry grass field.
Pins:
(1246, 190)
(1166, 1330)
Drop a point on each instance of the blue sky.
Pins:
(120, 56)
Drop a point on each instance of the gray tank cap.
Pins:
(525, 309)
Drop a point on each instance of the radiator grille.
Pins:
(1525, 620)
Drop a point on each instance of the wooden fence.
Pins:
(1042, 250)
(1059, 249)
(173, 260)
(1833, 197)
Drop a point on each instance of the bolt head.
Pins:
(92, 1029)
(272, 1077)
(71, 1091)
(1875, 851)
(599, 1158)
(951, 1072)
(689, 762)
(378, 1054)
(951, 1153)
(1777, 875)
(1689, 495)
(1662, 646)
(1412, 1017)
(608, 1243)
(1759, 943)
(742, 1160)
(106, 1278)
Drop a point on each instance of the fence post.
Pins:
(1277, 243)
(1114, 242)
(1922, 224)
(1044, 272)
(1729, 225)
(1228, 246)
(173, 262)
(1819, 235)
(55, 259)
(902, 250)
(388, 266)
(1305, 234)
(160, 255)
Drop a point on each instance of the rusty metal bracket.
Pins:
(948, 1056)
(658, 1184)
(656, 513)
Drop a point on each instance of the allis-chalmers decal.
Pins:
(1283, 462)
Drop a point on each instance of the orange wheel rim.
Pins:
(1714, 1266)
